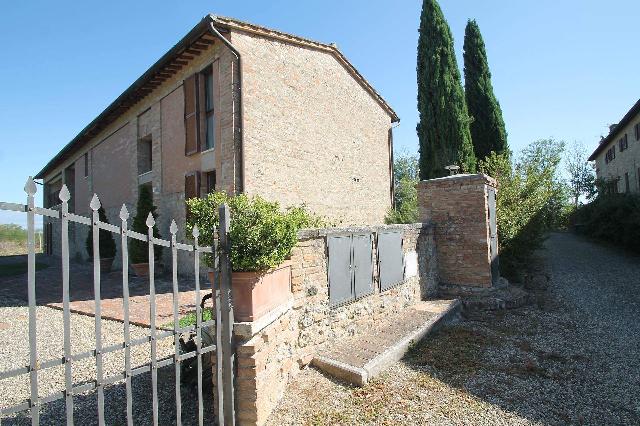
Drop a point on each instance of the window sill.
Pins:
(208, 150)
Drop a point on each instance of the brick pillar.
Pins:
(461, 207)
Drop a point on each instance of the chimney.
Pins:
(612, 127)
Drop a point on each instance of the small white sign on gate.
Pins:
(410, 264)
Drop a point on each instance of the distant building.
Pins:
(617, 156)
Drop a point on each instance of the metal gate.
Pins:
(493, 235)
(223, 322)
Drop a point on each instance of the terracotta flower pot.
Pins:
(105, 265)
(140, 269)
(257, 293)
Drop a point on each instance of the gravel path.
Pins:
(572, 358)
(14, 352)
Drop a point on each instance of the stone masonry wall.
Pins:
(268, 359)
(457, 205)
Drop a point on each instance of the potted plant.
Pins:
(262, 237)
(106, 244)
(139, 250)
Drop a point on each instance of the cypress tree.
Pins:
(139, 250)
(443, 129)
(106, 243)
(487, 127)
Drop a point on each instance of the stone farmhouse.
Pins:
(617, 157)
(240, 108)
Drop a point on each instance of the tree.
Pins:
(582, 181)
(487, 125)
(405, 195)
(106, 243)
(443, 128)
(531, 200)
(139, 250)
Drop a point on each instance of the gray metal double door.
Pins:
(350, 267)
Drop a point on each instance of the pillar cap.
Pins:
(461, 179)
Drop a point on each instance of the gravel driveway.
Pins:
(572, 358)
(14, 352)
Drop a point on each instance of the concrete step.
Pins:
(364, 356)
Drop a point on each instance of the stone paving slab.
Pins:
(362, 357)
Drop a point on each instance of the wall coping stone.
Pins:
(312, 233)
(462, 178)
(246, 330)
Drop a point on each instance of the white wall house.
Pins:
(617, 157)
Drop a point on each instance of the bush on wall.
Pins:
(262, 234)
(531, 200)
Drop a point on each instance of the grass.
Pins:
(190, 319)
(12, 269)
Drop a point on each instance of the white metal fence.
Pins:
(223, 320)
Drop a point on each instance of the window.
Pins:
(86, 164)
(191, 187)
(611, 154)
(209, 182)
(145, 160)
(623, 142)
(626, 182)
(208, 110)
(637, 130)
(200, 94)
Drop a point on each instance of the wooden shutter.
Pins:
(192, 185)
(192, 138)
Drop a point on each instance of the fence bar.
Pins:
(95, 205)
(66, 316)
(124, 215)
(30, 189)
(196, 269)
(227, 315)
(176, 320)
(152, 318)
(218, 376)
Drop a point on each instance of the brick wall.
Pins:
(267, 359)
(457, 205)
(312, 133)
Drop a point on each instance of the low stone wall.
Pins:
(268, 358)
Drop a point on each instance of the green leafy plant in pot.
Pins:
(139, 250)
(262, 236)
(106, 244)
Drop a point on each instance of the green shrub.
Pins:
(531, 200)
(405, 196)
(614, 218)
(139, 250)
(13, 233)
(106, 243)
(262, 235)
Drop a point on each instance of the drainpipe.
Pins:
(235, 53)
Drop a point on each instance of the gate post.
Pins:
(226, 308)
(462, 208)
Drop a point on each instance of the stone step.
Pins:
(364, 356)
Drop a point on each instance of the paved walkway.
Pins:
(49, 292)
(572, 358)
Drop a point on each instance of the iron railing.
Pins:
(223, 322)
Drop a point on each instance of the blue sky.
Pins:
(562, 69)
